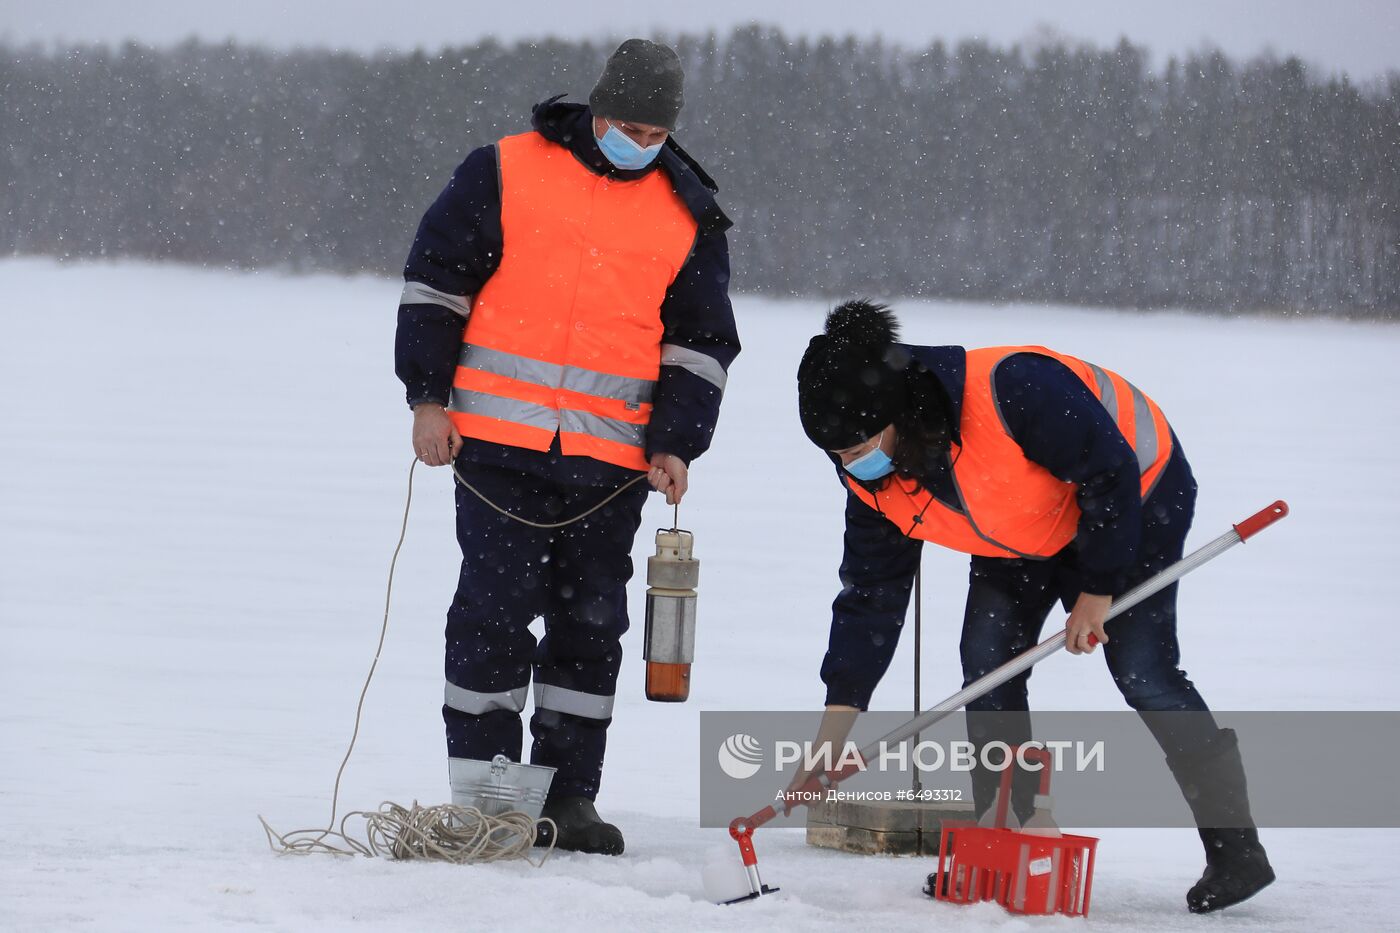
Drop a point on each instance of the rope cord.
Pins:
(445, 832)
(547, 525)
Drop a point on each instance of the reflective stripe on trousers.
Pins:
(477, 703)
(573, 702)
(547, 696)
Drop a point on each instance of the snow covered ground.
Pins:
(201, 480)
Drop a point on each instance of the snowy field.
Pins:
(203, 476)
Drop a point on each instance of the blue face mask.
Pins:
(626, 154)
(872, 464)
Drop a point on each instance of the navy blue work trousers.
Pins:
(1009, 599)
(573, 577)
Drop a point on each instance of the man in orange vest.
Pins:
(564, 332)
(1064, 482)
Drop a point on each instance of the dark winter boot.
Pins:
(1012, 727)
(1213, 783)
(579, 828)
(1236, 868)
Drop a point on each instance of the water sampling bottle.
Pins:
(672, 576)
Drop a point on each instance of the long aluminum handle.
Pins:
(1236, 535)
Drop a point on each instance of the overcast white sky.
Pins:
(1361, 37)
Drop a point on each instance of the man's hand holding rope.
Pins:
(435, 438)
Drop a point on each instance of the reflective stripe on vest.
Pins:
(555, 376)
(1009, 506)
(565, 336)
(1144, 442)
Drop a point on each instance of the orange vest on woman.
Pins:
(565, 337)
(1010, 506)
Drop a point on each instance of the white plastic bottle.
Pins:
(1042, 822)
(989, 819)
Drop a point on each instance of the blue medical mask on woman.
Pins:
(872, 464)
(624, 152)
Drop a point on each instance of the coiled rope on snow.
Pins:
(445, 832)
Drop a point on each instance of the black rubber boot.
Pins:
(1213, 783)
(1236, 869)
(1014, 728)
(580, 828)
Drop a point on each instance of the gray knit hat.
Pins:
(641, 83)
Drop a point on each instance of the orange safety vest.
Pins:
(565, 336)
(1009, 505)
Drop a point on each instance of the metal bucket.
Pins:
(499, 785)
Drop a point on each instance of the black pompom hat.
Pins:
(851, 381)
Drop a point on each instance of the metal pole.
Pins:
(1236, 535)
(917, 785)
(918, 648)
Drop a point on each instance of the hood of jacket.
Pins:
(571, 126)
(948, 365)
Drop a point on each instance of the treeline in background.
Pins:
(1058, 173)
